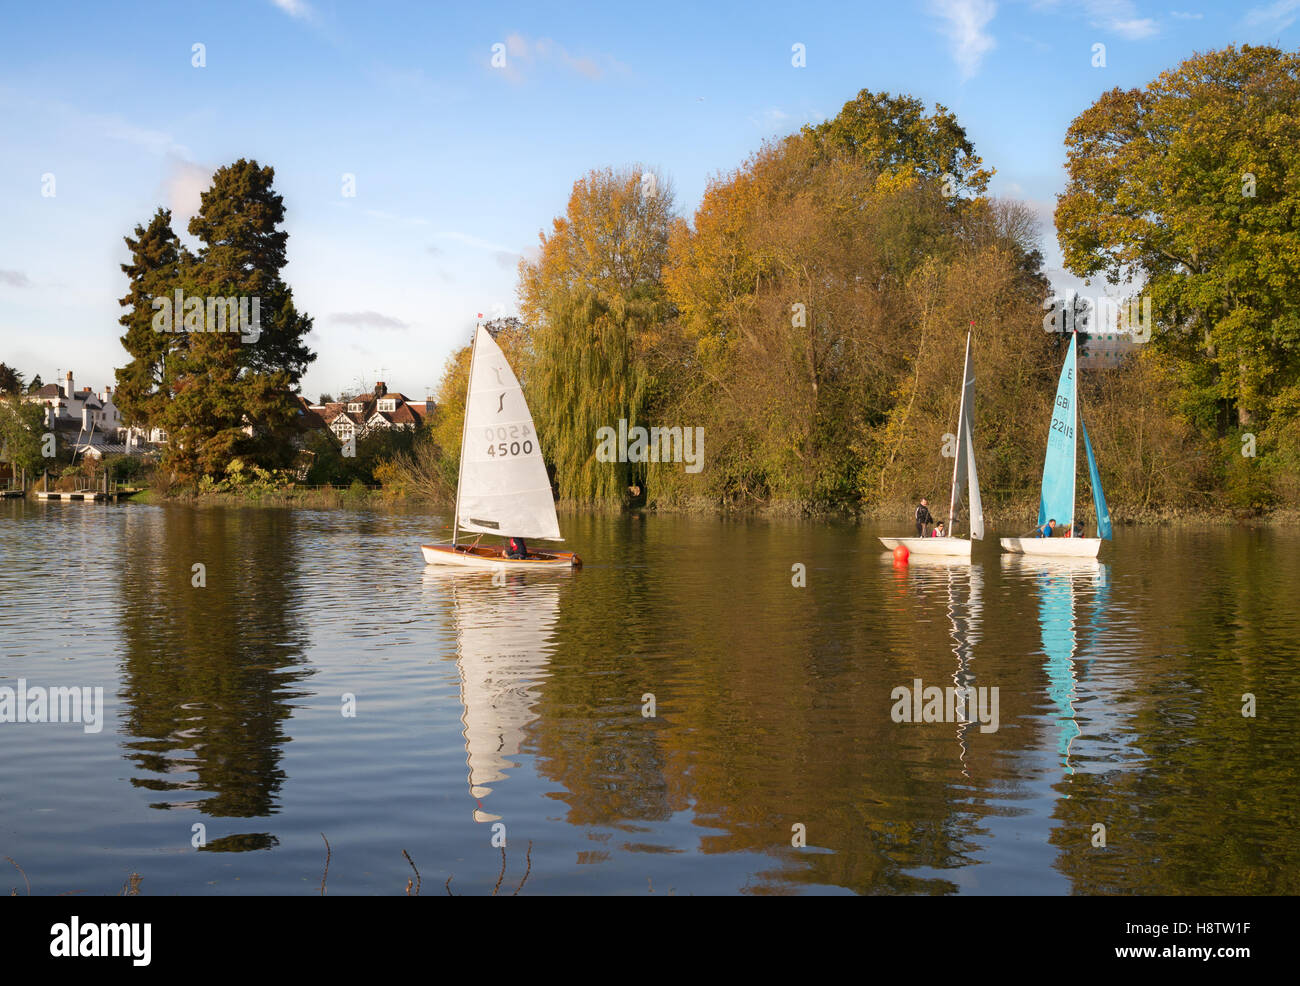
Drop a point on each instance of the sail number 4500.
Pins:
(508, 441)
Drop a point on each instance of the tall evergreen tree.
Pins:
(157, 256)
(218, 394)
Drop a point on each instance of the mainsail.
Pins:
(503, 486)
(1057, 499)
(963, 469)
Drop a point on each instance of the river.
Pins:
(707, 706)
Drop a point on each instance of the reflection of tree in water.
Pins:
(772, 709)
(209, 672)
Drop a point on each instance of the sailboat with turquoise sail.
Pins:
(1057, 500)
(963, 473)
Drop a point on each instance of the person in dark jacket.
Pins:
(516, 548)
(923, 517)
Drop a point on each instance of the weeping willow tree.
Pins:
(596, 302)
(588, 376)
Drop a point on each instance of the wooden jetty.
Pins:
(86, 496)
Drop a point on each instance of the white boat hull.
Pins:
(1053, 547)
(948, 547)
(491, 559)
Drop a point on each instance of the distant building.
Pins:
(381, 410)
(1104, 352)
(90, 422)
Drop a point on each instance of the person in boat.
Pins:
(923, 517)
(1048, 529)
(1076, 531)
(939, 531)
(516, 548)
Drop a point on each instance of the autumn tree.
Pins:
(595, 300)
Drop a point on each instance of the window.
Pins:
(355, 406)
(388, 404)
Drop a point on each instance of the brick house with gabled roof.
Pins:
(380, 410)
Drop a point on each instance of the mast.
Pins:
(961, 435)
(1074, 433)
(460, 468)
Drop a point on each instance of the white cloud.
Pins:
(368, 320)
(521, 52)
(1183, 15)
(294, 8)
(1120, 16)
(964, 27)
(183, 188)
(1274, 18)
(15, 279)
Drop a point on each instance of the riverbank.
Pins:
(1000, 516)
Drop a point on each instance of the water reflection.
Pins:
(213, 658)
(1059, 584)
(502, 649)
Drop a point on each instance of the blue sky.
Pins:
(459, 164)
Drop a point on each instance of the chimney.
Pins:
(381, 389)
(86, 421)
(69, 392)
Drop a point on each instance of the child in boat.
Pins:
(939, 531)
(516, 548)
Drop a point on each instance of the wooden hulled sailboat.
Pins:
(502, 487)
(963, 472)
(1060, 465)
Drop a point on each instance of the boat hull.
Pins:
(1053, 547)
(947, 547)
(465, 556)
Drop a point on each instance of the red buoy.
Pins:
(900, 554)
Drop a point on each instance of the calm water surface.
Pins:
(1120, 695)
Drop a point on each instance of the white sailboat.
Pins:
(1057, 499)
(963, 471)
(502, 488)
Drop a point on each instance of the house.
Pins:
(90, 422)
(381, 410)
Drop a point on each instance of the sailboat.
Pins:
(502, 487)
(963, 470)
(1057, 499)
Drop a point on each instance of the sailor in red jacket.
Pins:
(516, 548)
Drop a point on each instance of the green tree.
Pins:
(22, 425)
(220, 395)
(11, 381)
(144, 388)
(1191, 188)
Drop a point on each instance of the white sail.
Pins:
(503, 484)
(963, 470)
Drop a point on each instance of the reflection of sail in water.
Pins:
(964, 608)
(502, 637)
(1058, 581)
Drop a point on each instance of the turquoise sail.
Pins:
(1057, 499)
(1098, 497)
